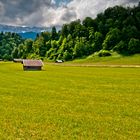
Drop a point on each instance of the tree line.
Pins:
(116, 29)
(8, 43)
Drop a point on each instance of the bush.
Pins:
(134, 46)
(67, 56)
(104, 53)
(121, 48)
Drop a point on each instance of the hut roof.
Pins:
(32, 63)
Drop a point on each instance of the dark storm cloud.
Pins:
(23, 7)
(17, 10)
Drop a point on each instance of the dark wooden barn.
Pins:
(32, 64)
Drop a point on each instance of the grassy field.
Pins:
(115, 59)
(66, 103)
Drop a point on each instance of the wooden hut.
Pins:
(32, 64)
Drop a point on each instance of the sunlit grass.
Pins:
(69, 103)
(115, 59)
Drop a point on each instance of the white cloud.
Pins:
(79, 9)
(53, 2)
(84, 8)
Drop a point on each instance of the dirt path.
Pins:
(96, 65)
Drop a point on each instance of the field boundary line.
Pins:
(96, 65)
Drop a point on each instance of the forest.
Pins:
(117, 29)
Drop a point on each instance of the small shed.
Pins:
(32, 64)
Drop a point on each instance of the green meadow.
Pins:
(115, 59)
(69, 103)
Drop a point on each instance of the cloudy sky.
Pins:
(53, 12)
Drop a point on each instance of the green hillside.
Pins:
(115, 59)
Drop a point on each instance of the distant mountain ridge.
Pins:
(25, 31)
(28, 35)
(22, 29)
